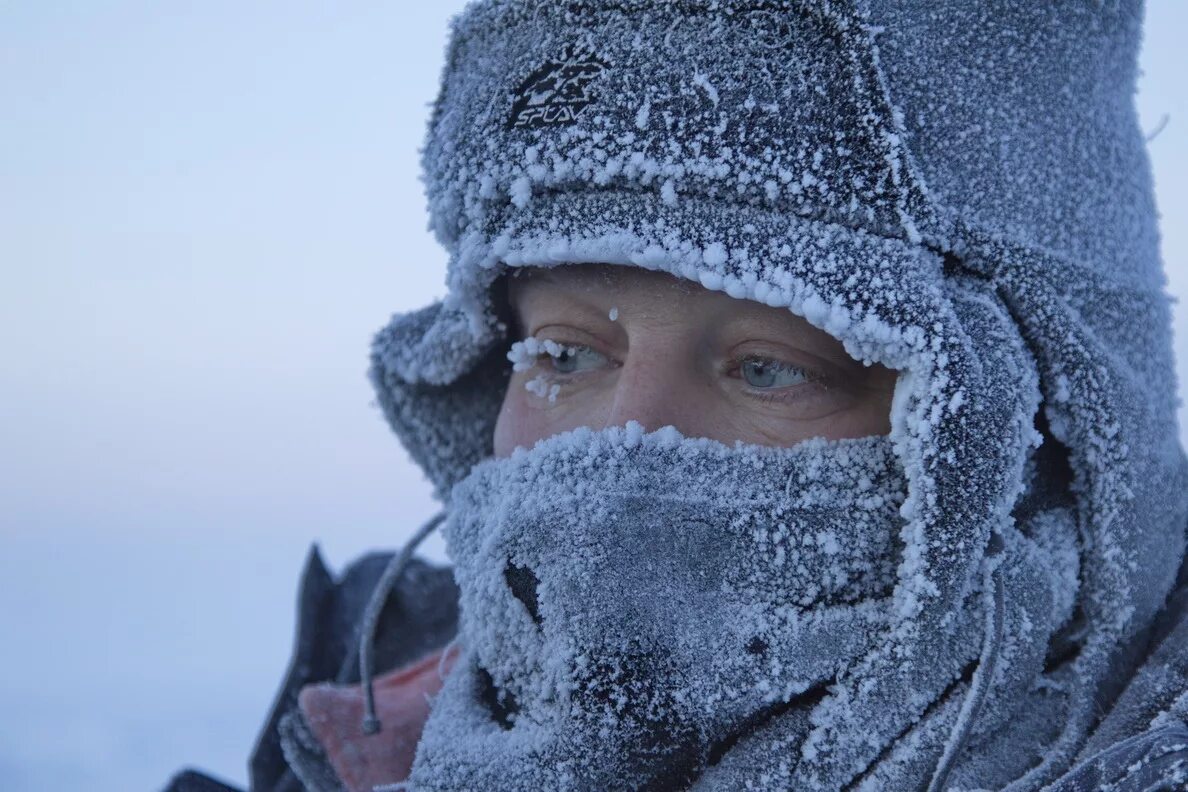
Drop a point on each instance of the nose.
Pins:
(656, 390)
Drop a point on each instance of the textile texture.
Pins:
(955, 190)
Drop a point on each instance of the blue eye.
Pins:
(763, 373)
(572, 359)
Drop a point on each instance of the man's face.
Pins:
(632, 345)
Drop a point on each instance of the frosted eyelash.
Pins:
(524, 354)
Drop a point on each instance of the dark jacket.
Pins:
(420, 616)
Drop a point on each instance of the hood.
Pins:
(958, 192)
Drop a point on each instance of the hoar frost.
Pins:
(524, 354)
(892, 150)
(540, 386)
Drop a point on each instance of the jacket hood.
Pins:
(956, 191)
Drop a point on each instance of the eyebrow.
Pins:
(551, 274)
(572, 299)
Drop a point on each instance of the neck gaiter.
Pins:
(634, 605)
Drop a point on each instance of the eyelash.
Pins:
(536, 349)
(784, 396)
(814, 381)
(572, 350)
(532, 352)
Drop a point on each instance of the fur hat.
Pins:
(953, 189)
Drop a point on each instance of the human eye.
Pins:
(769, 374)
(558, 357)
(572, 359)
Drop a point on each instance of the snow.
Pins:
(702, 82)
(521, 191)
(668, 193)
(538, 386)
(643, 115)
(525, 353)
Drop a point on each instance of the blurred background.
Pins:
(206, 210)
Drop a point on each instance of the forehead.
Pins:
(625, 281)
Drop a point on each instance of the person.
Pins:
(803, 411)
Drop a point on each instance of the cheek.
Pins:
(524, 418)
(510, 429)
(860, 415)
(872, 415)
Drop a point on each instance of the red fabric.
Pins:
(335, 715)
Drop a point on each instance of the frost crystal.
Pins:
(900, 176)
(702, 82)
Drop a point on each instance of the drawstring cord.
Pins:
(375, 606)
(445, 657)
(991, 647)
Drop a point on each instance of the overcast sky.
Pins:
(206, 209)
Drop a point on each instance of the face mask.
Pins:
(635, 605)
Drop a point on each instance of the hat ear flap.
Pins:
(440, 387)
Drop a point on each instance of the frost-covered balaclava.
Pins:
(956, 190)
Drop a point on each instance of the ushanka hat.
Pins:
(956, 190)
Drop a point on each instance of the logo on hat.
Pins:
(557, 92)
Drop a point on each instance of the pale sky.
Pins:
(206, 210)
